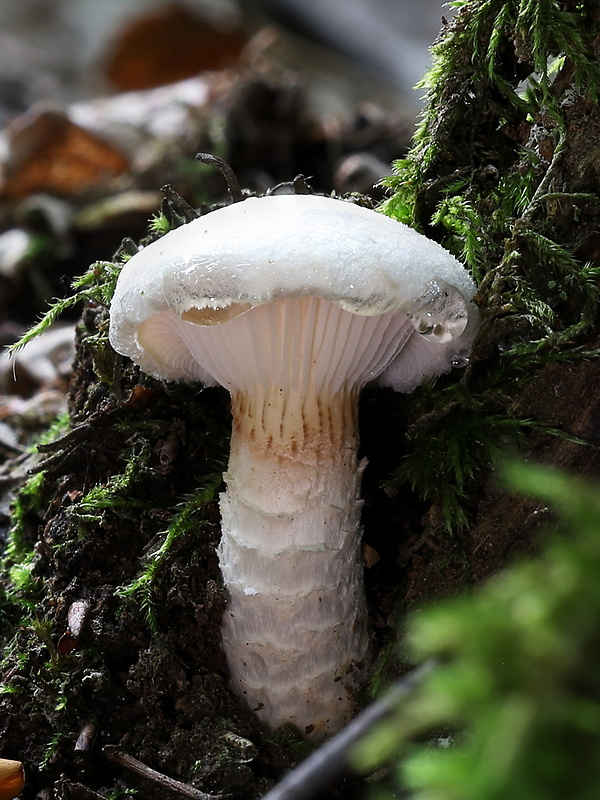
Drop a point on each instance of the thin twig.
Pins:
(226, 171)
(114, 754)
(178, 205)
(332, 760)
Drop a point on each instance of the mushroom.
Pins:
(294, 303)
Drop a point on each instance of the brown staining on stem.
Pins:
(307, 428)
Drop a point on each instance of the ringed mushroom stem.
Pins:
(295, 626)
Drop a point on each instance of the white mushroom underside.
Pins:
(208, 354)
(300, 344)
(250, 253)
(295, 630)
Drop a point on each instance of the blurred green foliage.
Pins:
(517, 693)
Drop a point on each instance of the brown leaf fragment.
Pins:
(49, 153)
(168, 46)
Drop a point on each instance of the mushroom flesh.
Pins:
(294, 303)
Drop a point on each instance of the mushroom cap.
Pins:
(221, 265)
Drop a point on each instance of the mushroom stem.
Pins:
(295, 626)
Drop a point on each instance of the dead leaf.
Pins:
(168, 46)
(49, 153)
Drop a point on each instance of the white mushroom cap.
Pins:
(219, 266)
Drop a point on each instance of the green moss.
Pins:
(97, 285)
(186, 521)
(160, 224)
(517, 681)
(23, 582)
(51, 750)
(494, 66)
(29, 500)
(117, 494)
(494, 174)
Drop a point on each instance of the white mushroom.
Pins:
(294, 303)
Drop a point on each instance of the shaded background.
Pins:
(60, 50)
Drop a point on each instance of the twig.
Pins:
(114, 754)
(333, 759)
(178, 205)
(235, 191)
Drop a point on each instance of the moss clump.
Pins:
(503, 171)
(143, 589)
